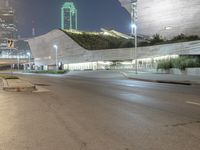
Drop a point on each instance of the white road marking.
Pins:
(193, 103)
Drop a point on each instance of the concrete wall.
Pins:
(193, 71)
(183, 16)
(70, 52)
(43, 50)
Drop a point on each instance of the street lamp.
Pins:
(29, 59)
(56, 48)
(18, 62)
(134, 29)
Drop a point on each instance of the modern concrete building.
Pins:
(166, 17)
(74, 57)
(68, 16)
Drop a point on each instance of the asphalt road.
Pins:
(100, 112)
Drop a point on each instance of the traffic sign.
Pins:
(10, 43)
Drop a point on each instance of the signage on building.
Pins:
(10, 43)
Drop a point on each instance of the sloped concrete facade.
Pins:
(69, 52)
(156, 16)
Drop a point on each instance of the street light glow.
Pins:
(133, 26)
(168, 28)
(55, 46)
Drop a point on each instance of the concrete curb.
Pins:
(8, 88)
(161, 81)
(5, 83)
(19, 89)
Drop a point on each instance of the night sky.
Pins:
(92, 15)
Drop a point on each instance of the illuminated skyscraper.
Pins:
(8, 27)
(68, 16)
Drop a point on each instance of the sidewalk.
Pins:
(17, 85)
(163, 78)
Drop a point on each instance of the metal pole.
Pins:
(18, 62)
(29, 62)
(136, 65)
(56, 48)
(56, 58)
(133, 24)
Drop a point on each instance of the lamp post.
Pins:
(56, 48)
(134, 29)
(18, 62)
(29, 60)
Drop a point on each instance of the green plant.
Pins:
(157, 39)
(6, 77)
(183, 38)
(181, 63)
(95, 41)
(49, 71)
(165, 64)
(98, 41)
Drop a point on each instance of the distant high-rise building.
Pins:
(68, 16)
(2, 3)
(8, 27)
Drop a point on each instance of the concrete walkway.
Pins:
(17, 85)
(163, 78)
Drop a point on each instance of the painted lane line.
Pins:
(193, 103)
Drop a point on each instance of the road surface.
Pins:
(100, 112)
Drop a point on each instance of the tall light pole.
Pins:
(18, 62)
(29, 60)
(56, 48)
(134, 29)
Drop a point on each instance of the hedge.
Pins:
(180, 63)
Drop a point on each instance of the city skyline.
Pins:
(91, 15)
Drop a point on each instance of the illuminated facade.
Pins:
(68, 16)
(8, 32)
(75, 57)
(8, 27)
(166, 17)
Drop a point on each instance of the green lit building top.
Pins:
(68, 16)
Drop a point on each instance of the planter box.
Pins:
(193, 71)
(176, 71)
(187, 71)
(162, 71)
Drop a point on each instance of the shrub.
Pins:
(180, 63)
(164, 64)
(157, 39)
(96, 41)
(184, 38)
(5, 76)
(49, 71)
(99, 41)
